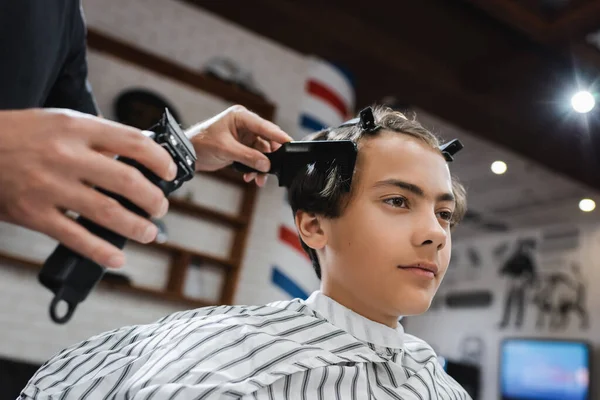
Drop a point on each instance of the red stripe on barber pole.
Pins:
(286, 235)
(332, 77)
(317, 89)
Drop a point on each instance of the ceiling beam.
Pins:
(391, 65)
(514, 14)
(561, 35)
(577, 22)
(502, 71)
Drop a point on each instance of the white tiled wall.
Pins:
(190, 37)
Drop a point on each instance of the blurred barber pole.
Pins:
(328, 101)
(328, 98)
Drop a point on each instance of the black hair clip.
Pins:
(367, 120)
(451, 148)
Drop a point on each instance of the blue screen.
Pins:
(544, 370)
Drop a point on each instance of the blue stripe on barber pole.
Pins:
(320, 110)
(286, 284)
(310, 123)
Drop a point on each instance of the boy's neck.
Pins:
(354, 303)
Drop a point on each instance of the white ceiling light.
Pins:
(499, 167)
(587, 205)
(583, 102)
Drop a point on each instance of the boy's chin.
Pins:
(416, 304)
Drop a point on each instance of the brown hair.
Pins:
(320, 190)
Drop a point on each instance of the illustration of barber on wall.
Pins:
(560, 296)
(521, 273)
(555, 296)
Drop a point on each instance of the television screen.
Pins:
(544, 370)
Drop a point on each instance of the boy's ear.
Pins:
(311, 229)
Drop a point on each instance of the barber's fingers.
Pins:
(74, 236)
(236, 151)
(111, 137)
(253, 156)
(107, 212)
(244, 119)
(274, 145)
(125, 180)
(248, 177)
(261, 179)
(264, 147)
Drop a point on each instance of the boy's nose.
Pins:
(431, 233)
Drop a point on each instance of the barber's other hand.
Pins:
(236, 134)
(49, 159)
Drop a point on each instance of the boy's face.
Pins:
(380, 253)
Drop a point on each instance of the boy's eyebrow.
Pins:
(414, 189)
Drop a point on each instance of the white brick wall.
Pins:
(190, 37)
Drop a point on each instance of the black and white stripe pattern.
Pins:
(313, 349)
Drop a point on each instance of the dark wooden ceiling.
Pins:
(501, 69)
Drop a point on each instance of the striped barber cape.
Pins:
(313, 349)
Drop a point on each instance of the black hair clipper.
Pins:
(70, 276)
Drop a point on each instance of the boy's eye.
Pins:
(399, 202)
(445, 215)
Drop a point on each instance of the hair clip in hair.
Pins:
(367, 120)
(450, 149)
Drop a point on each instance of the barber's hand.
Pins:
(49, 159)
(236, 134)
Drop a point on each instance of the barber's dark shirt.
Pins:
(43, 55)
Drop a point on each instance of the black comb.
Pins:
(293, 157)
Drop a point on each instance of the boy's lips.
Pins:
(422, 265)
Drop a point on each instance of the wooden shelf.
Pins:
(196, 255)
(159, 294)
(197, 210)
(227, 175)
(102, 42)
(35, 265)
